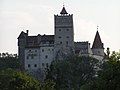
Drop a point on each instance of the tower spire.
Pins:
(63, 4)
(97, 41)
(63, 12)
(97, 27)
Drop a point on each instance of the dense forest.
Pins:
(74, 73)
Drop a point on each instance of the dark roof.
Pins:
(63, 11)
(97, 42)
(81, 47)
(36, 40)
(32, 39)
(22, 35)
(47, 38)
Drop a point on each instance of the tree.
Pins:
(72, 73)
(48, 85)
(9, 61)
(109, 76)
(16, 80)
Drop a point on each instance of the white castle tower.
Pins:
(98, 47)
(37, 52)
(64, 34)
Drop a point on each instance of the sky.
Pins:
(37, 16)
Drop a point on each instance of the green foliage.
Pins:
(48, 85)
(9, 61)
(15, 80)
(115, 56)
(72, 73)
(109, 77)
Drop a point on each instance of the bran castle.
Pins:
(37, 52)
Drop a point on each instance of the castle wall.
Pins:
(64, 33)
(46, 56)
(99, 52)
(37, 52)
(21, 49)
(83, 48)
(32, 59)
(38, 58)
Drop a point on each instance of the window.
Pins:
(29, 50)
(59, 29)
(67, 42)
(35, 50)
(46, 56)
(67, 29)
(98, 52)
(27, 57)
(52, 49)
(60, 42)
(46, 64)
(35, 65)
(42, 50)
(43, 64)
(67, 37)
(28, 65)
(59, 37)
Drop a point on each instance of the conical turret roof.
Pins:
(63, 11)
(97, 42)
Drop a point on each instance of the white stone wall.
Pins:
(64, 32)
(100, 58)
(98, 52)
(32, 59)
(46, 56)
(38, 58)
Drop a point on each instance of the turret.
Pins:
(98, 47)
(64, 32)
(22, 42)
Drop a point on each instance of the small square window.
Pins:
(46, 56)
(59, 29)
(35, 65)
(60, 42)
(98, 52)
(42, 50)
(27, 57)
(59, 37)
(43, 64)
(35, 50)
(47, 65)
(28, 65)
(67, 42)
(67, 37)
(67, 29)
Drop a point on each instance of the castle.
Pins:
(37, 52)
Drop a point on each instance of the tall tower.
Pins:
(98, 47)
(64, 33)
(21, 48)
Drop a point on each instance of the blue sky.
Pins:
(38, 17)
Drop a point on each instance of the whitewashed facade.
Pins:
(37, 52)
(39, 57)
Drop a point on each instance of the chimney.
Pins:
(27, 31)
